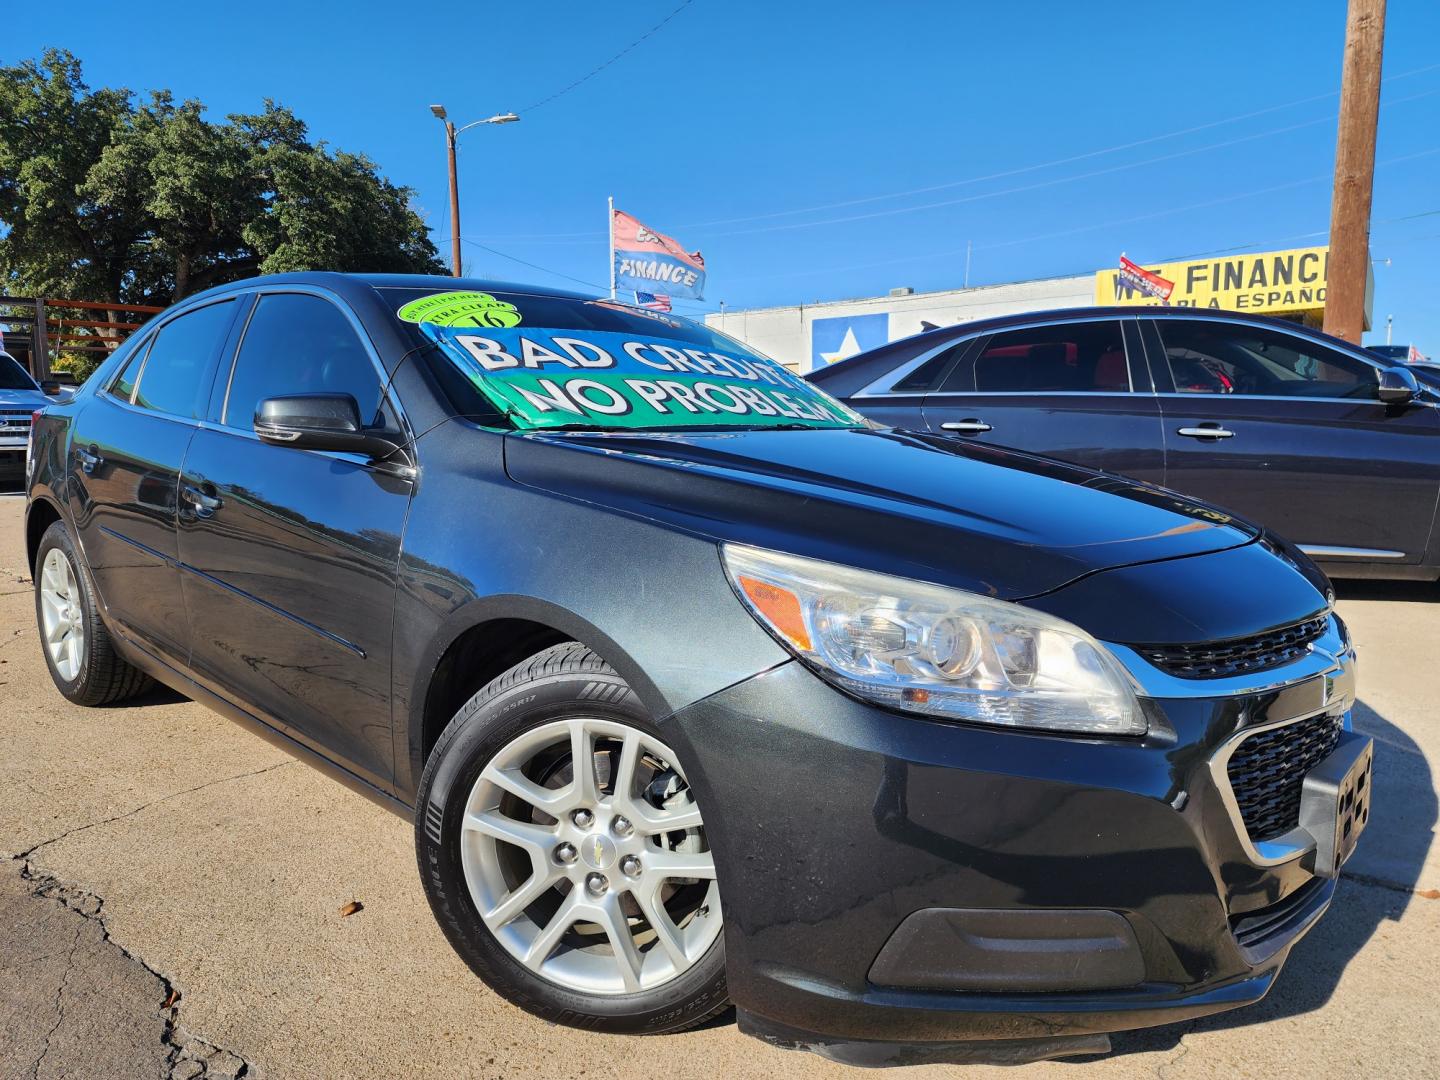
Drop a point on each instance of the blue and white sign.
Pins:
(833, 340)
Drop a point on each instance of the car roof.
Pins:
(347, 283)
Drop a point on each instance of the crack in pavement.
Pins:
(187, 1056)
(59, 1003)
(1392, 886)
(145, 806)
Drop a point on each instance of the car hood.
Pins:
(995, 521)
(30, 398)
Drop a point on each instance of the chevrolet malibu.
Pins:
(699, 688)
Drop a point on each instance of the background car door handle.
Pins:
(966, 427)
(1207, 431)
(203, 504)
(88, 460)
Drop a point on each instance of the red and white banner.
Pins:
(1145, 282)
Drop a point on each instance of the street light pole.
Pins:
(454, 201)
(452, 133)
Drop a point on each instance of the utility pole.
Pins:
(454, 201)
(1354, 170)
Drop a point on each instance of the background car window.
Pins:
(1222, 358)
(927, 374)
(1079, 357)
(170, 378)
(13, 376)
(299, 344)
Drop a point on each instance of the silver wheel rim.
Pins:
(598, 879)
(62, 617)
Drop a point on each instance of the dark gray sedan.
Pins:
(1309, 435)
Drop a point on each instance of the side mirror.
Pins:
(1397, 386)
(320, 422)
(50, 387)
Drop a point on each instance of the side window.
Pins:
(1223, 358)
(179, 358)
(926, 375)
(123, 385)
(299, 344)
(1086, 357)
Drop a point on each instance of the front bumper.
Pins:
(841, 821)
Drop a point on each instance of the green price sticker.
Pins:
(461, 309)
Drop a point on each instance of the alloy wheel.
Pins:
(62, 614)
(585, 855)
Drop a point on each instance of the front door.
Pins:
(1289, 432)
(126, 453)
(1078, 391)
(290, 555)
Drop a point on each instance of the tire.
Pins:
(90, 672)
(587, 980)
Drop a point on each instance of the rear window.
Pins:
(554, 362)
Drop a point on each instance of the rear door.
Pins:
(1288, 431)
(290, 555)
(1077, 390)
(127, 448)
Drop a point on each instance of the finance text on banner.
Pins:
(648, 261)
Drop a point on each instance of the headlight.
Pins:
(928, 649)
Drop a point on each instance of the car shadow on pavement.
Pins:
(1377, 885)
(1413, 592)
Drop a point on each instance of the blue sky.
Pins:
(738, 109)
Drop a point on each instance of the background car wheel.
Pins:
(77, 646)
(564, 855)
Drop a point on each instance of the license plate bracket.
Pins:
(1335, 801)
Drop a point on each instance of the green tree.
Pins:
(105, 198)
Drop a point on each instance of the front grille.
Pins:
(1237, 656)
(1267, 769)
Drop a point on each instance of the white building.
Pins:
(809, 336)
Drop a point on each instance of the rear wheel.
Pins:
(565, 856)
(78, 649)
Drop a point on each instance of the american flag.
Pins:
(653, 301)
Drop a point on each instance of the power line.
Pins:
(1105, 224)
(590, 75)
(533, 266)
(567, 277)
(1026, 168)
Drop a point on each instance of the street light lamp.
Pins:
(451, 133)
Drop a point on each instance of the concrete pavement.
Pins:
(170, 907)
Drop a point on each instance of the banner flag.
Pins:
(644, 259)
(1143, 281)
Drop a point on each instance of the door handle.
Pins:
(1207, 431)
(970, 426)
(89, 460)
(202, 503)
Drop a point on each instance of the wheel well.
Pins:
(42, 515)
(477, 656)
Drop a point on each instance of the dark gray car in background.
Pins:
(1314, 438)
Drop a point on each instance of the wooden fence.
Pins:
(37, 329)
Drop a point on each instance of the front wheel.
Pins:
(564, 855)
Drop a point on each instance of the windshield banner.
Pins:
(544, 378)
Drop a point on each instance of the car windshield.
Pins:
(548, 362)
(13, 376)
